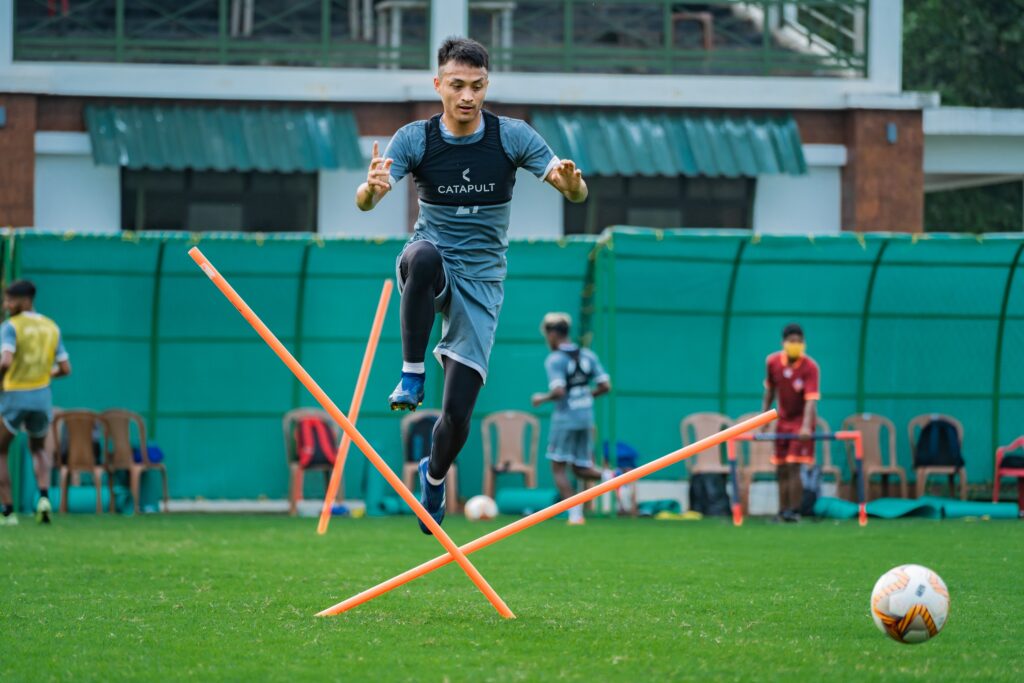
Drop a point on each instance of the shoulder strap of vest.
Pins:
(493, 122)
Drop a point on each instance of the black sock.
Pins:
(8, 510)
(44, 493)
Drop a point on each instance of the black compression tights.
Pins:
(423, 275)
(461, 387)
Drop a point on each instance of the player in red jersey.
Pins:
(794, 379)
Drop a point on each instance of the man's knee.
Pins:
(422, 262)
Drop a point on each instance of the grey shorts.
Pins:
(469, 311)
(34, 422)
(571, 446)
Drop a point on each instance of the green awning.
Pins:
(261, 138)
(664, 144)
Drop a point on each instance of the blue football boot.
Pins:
(408, 395)
(432, 497)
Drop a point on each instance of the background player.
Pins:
(794, 377)
(31, 354)
(464, 163)
(571, 373)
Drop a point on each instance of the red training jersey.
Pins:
(794, 384)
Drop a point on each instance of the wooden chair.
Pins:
(922, 473)
(81, 455)
(870, 426)
(827, 466)
(119, 456)
(758, 461)
(297, 472)
(415, 451)
(509, 428)
(1013, 469)
(696, 427)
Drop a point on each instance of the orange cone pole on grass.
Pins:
(357, 438)
(353, 410)
(548, 513)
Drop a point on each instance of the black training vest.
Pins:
(576, 375)
(476, 174)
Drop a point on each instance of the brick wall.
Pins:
(883, 182)
(17, 161)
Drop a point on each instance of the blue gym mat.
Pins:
(929, 507)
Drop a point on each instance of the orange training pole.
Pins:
(548, 513)
(357, 438)
(353, 410)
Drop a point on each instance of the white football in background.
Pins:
(910, 603)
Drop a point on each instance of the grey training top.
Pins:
(575, 410)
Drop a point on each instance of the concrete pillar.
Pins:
(447, 18)
(6, 33)
(885, 44)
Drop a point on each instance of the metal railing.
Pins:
(327, 33)
(723, 37)
(720, 37)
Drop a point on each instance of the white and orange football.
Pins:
(910, 603)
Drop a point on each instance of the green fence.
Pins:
(900, 325)
(147, 331)
(683, 321)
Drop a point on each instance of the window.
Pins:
(662, 203)
(201, 200)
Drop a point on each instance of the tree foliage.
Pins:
(972, 53)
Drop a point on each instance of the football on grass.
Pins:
(481, 507)
(910, 603)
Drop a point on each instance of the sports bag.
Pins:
(938, 445)
(314, 442)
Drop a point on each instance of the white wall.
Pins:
(536, 208)
(72, 193)
(337, 213)
(805, 204)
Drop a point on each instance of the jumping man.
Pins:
(571, 372)
(31, 354)
(795, 377)
(464, 163)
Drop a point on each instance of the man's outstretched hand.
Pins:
(378, 181)
(568, 180)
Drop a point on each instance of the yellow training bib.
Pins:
(37, 338)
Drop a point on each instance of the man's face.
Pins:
(462, 89)
(794, 346)
(553, 338)
(16, 304)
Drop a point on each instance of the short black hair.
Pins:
(792, 328)
(21, 288)
(463, 51)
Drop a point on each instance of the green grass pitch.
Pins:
(233, 597)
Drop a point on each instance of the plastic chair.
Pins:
(1013, 471)
(510, 426)
(758, 461)
(922, 473)
(703, 425)
(415, 450)
(298, 473)
(119, 456)
(870, 426)
(81, 451)
(827, 466)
